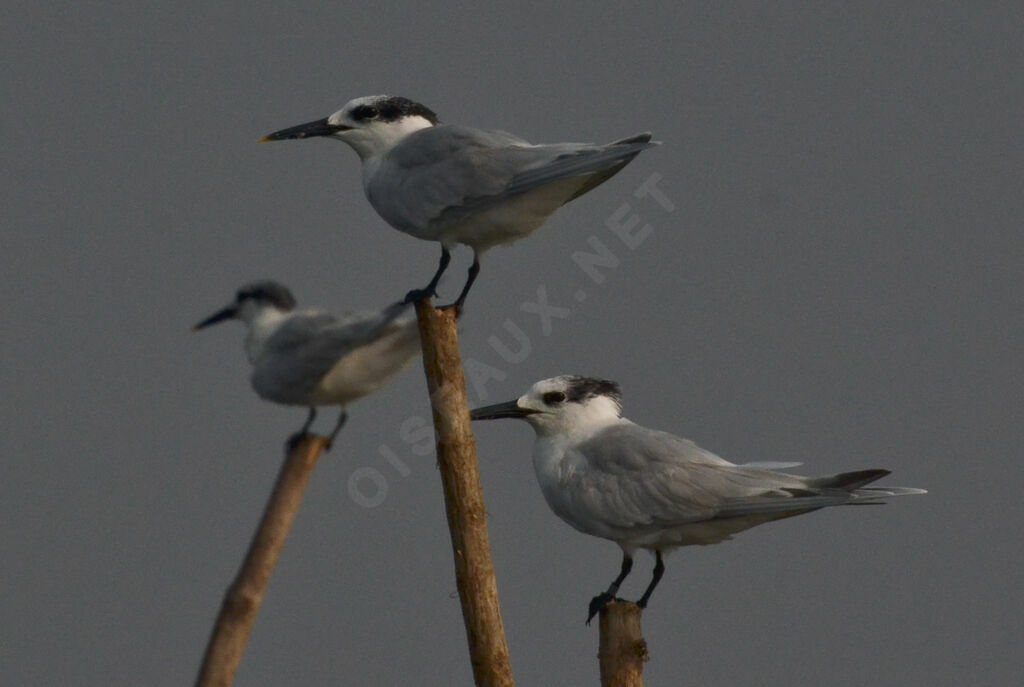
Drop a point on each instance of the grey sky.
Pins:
(839, 283)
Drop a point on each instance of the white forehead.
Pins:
(551, 384)
(365, 100)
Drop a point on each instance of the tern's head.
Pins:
(372, 125)
(251, 300)
(561, 405)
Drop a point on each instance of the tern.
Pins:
(645, 489)
(459, 185)
(312, 358)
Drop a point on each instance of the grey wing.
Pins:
(439, 168)
(307, 346)
(451, 170)
(636, 477)
(633, 476)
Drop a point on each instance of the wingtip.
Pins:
(642, 137)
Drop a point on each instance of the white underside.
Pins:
(368, 368)
(698, 533)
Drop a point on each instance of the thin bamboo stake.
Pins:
(244, 596)
(463, 497)
(622, 650)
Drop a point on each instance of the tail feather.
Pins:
(868, 495)
(854, 484)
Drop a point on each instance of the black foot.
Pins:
(419, 295)
(297, 438)
(294, 440)
(597, 603)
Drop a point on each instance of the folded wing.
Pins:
(446, 172)
(632, 476)
(309, 344)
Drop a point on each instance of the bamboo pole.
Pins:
(463, 497)
(622, 650)
(243, 598)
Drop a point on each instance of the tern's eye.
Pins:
(363, 112)
(553, 398)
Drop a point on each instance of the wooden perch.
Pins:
(463, 497)
(243, 598)
(622, 649)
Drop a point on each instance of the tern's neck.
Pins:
(577, 423)
(554, 457)
(263, 324)
(374, 141)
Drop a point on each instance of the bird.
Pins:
(459, 185)
(609, 477)
(312, 358)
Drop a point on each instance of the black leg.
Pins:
(474, 270)
(309, 421)
(337, 428)
(606, 597)
(659, 570)
(431, 288)
(294, 439)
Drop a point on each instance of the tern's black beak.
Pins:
(219, 316)
(318, 128)
(500, 410)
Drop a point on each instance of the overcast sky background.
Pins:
(839, 283)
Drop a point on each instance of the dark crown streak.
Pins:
(582, 388)
(268, 291)
(393, 108)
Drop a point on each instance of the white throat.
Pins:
(261, 326)
(577, 421)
